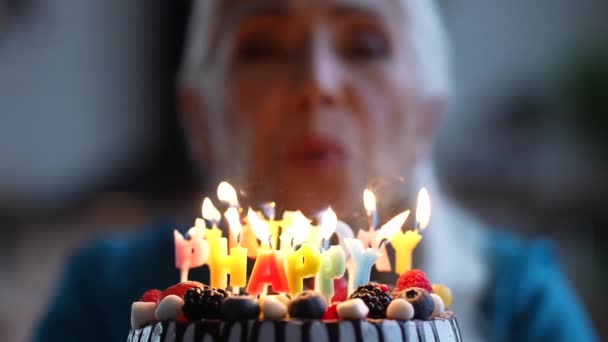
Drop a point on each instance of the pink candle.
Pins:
(190, 252)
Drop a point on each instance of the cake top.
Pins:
(286, 253)
(413, 297)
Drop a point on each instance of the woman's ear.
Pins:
(194, 123)
(428, 122)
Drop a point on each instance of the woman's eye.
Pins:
(259, 49)
(365, 45)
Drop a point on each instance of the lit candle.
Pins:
(332, 259)
(238, 254)
(269, 267)
(368, 237)
(190, 252)
(274, 227)
(218, 247)
(364, 258)
(210, 213)
(304, 262)
(405, 243)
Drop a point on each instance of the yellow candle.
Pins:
(404, 245)
(221, 264)
(303, 263)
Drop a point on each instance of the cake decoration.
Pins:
(376, 297)
(353, 309)
(287, 253)
(400, 309)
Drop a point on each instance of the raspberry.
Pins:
(203, 302)
(376, 297)
(151, 296)
(332, 312)
(179, 289)
(413, 278)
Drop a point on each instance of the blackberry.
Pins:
(376, 296)
(203, 302)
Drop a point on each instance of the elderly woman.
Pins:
(308, 102)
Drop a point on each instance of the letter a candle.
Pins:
(269, 266)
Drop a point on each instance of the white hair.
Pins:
(426, 28)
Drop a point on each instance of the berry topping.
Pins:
(308, 304)
(179, 289)
(332, 312)
(151, 296)
(413, 278)
(445, 293)
(376, 297)
(420, 299)
(203, 302)
(240, 307)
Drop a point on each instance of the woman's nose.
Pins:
(319, 77)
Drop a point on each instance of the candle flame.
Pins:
(258, 226)
(329, 220)
(234, 222)
(389, 229)
(423, 210)
(369, 201)
(210, 212)
(227, 194)
(299, 229)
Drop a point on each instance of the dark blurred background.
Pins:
(89, 140)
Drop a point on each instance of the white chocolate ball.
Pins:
(273, 308)
(170, 308)
(353, 309)
(142, 313)
(439, 307)
(400, 309)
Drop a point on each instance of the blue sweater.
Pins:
(528, 300)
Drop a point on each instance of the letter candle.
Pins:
(368, 237)
(303, 262)
(405, 243)
(269, 266)
(364, 258)
(333, 260)
(190, 252)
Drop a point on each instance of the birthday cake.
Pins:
(411, 310)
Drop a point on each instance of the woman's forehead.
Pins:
(231, 12)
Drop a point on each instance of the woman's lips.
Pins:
(316, 152)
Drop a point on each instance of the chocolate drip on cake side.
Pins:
(378, 326)
(357, 326)
(333, 331)
(279, 330)
(180, 329)
(401, 325)
(420, 331)
(306, 331)
(434, 328)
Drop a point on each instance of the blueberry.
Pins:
(240, 308)
(307, 305)
(421, 300)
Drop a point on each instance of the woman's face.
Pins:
(311, 101)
